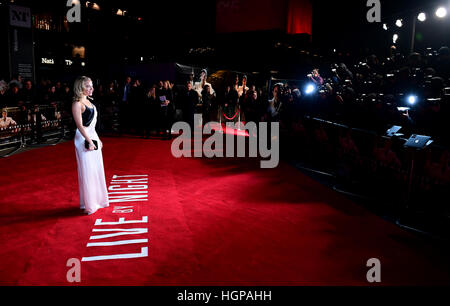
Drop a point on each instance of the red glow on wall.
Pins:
(299, 17)
(292, 16)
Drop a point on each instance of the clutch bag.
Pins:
(86, 144)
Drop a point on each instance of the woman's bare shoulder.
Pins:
(77, 105)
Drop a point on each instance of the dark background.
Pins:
(185, 31)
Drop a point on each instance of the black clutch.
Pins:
(86, 144)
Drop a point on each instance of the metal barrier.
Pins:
(372, 165)
(11, 139)
(44, 125)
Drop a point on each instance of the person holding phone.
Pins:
(165, 96)
(88, 148)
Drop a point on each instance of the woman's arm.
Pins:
(76, 112)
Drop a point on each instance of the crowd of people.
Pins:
(23, 100)
(19, 92)
(140, 108)
(374, 94)
(411, 92)
(30, 110)
(338, 121)
(155, 107)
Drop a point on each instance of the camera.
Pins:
(447, 91)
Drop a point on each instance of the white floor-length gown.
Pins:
(91, 173)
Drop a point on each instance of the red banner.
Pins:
(294, 16)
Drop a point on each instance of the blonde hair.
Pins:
(78, 87)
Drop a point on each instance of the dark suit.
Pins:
(124, 106)
(189, 103)
(231, 99)
(166, 112)
(150, 114)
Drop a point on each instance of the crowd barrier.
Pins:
(29, 131)
(372, 165)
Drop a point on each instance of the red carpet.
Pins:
(210, 222)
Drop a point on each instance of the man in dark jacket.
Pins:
(189, 102)
(124, 105)
(165, 98)
(230, 104)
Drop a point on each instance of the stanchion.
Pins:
(59, 131)
(220, 120)
(22, 141)
(415, 144)
(239, 120)
(19, 141)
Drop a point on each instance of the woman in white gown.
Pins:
(91, 174)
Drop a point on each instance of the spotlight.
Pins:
(395, 38)
(422, 17)
(310, 88)
(399, 23)
(441, 12)
(412, 99)
(385, 27)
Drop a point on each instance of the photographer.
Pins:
(443, 62)
(316, 78)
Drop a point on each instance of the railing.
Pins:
(31, 131)
(372, 165)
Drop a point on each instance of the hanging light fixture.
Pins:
(422, 17)
(441, 12)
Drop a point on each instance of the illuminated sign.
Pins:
(48, 61)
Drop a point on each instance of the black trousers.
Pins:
(166, 120)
